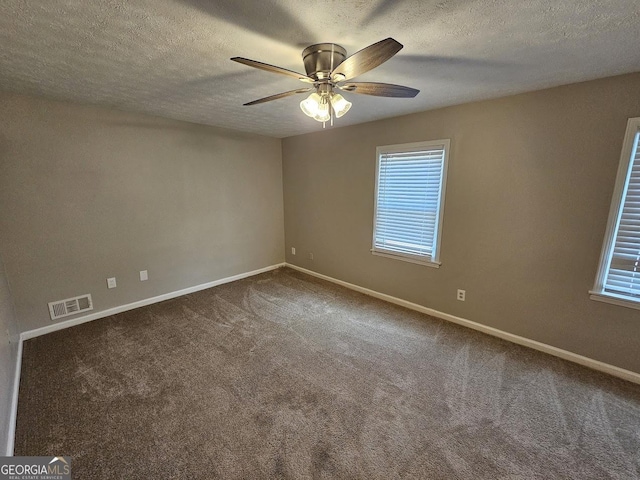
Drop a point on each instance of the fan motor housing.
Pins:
(321, 58)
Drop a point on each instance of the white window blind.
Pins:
(623, 274)
(409, 192)
(618, 279)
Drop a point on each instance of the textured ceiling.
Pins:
(171, 57)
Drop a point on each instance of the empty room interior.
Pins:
(319, 239)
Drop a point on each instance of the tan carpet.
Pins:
(285, 376)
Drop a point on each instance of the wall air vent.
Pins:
(70, 306)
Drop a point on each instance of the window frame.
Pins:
(627, 156)
(434, 260)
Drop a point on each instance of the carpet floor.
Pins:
(283, 375)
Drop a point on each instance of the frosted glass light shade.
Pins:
(323, 113)
(311, 105)
(340, 105)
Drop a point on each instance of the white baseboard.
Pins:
(13, 412)
(95, 316)
(141, 303)
(542, 347)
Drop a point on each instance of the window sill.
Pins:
(614, 299)
(426, 263)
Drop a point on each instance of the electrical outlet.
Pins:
(310, 256)
(144, 275)
(461, 295)
(111, 282)
(293, 250)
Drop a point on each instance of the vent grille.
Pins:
(70, 306)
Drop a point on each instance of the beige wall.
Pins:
(528, 193)
(8, 357)
(88, 193)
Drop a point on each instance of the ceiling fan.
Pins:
(328, 69)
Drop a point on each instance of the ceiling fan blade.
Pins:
(380, 89)
(279, 95)
(273, 69)
(366, 59)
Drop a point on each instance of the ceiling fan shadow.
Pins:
(452, 61)
(265, 18)
(216, 80)
(206, 84)
(380, 10)
(450, 68)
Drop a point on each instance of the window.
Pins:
(618, 279)
(409, 201)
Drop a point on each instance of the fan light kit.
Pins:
(319, 107)
(329, 69)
